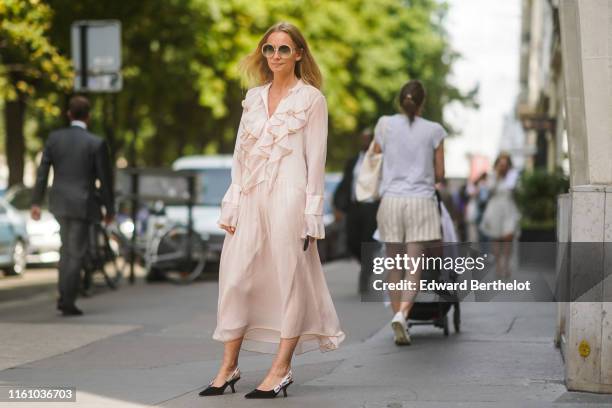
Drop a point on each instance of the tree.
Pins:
(29, 63)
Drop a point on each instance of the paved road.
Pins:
(150, 344)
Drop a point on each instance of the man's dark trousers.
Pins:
(74, 233)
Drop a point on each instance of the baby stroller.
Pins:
(436, 314)
(431, 308)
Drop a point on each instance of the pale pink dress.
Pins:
(269, 287)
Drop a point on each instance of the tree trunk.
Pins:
(14, 117)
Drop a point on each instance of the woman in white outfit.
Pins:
(500, 221)
(408, 217)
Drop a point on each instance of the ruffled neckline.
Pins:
(264, 139)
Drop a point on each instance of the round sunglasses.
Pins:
(284, 51)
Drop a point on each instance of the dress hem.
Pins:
(309, 341)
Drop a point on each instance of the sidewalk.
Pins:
(151, 345)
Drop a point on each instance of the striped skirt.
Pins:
(408, 219)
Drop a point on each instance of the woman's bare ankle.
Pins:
(228, 368)
(280, 370)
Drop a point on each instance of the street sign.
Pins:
(96, 55)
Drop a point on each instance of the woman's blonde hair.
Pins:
(254, 66)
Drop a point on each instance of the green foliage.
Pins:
(537, 197)
(182, 89)
(29, 62)
(31, 70)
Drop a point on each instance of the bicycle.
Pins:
(104, 265)
(168, 249)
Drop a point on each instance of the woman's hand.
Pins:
(228, 228)
(377, 148)
(309, 240)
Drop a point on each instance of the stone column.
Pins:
(585, 325)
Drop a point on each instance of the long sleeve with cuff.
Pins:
(230, 203)
(315, 152)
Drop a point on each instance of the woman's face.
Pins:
(280, 62)
(503, 166)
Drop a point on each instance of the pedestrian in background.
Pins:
(477, 193)
(360, 215)
(273, 297)
(501, 217)
(79, 159)
(408, 217)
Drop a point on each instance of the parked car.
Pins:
(214, 178)
(44, 236)
(13, 240)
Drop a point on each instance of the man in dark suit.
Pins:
(79, 160)
(360, 216)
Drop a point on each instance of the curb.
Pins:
(26, 292)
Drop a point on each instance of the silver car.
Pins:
(13, 240)
(44, 236)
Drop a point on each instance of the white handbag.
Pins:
(368, 180)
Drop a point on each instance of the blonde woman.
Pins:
(273, 297)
